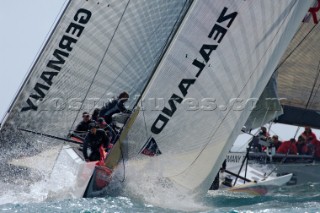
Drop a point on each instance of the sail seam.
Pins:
(170, 37)
(98, 69)
(161, 50)
(205, 145)
(294, 49)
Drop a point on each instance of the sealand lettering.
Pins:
(218, 31)
(173, 108)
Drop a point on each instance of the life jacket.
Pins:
(317, 149)
(302, 148)
(311, 135)
(287, 146)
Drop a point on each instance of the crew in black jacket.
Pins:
(94, 139)
(114, 106)
(83, 126)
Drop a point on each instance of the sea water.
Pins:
(140, 192)
(32, 198)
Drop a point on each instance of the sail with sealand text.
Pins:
(223, 51)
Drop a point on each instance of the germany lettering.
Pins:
(217, 33)
(59, 56)
(234, 158)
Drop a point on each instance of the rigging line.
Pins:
(269, 127)
(310, 96)
(56, 160)
(169, 39)
(275, 133)
(105, 92)
(250, 139)
(314, 85)
(281, 162)
(272, 122)
(245, 144)
(224, 118)
(159, 58)
(294, 49)
(295, 134)
(104, 55)
(167, 43)
(315, 94)
(175, 28)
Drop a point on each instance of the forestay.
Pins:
(97, 48)
(224, 51)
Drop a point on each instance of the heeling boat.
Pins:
(297, 86)
(210, 62)
(96, 48)
(212, 57)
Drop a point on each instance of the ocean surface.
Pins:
(27, 190)
(301, 198)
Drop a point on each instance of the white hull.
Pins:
(259, 183)
(304, 170)
(262, 187)
(70, 175)
(303, 173)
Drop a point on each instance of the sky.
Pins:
(25, 25)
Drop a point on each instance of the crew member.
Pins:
(95, 138)
(114, 106)
(288, 147)
(83, 126)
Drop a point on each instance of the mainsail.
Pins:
(299, 79)
(224, 51)
(97, 48)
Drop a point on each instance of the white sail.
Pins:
(223, 51)
(267, 108)
(97, 48)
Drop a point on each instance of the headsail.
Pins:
(223, 51)
(266, 108)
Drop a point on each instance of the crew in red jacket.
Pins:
(308, 135)
(317, 149)
(311, 140)
(288, 147)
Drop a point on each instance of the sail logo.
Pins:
(69, 38)
(217, 33)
